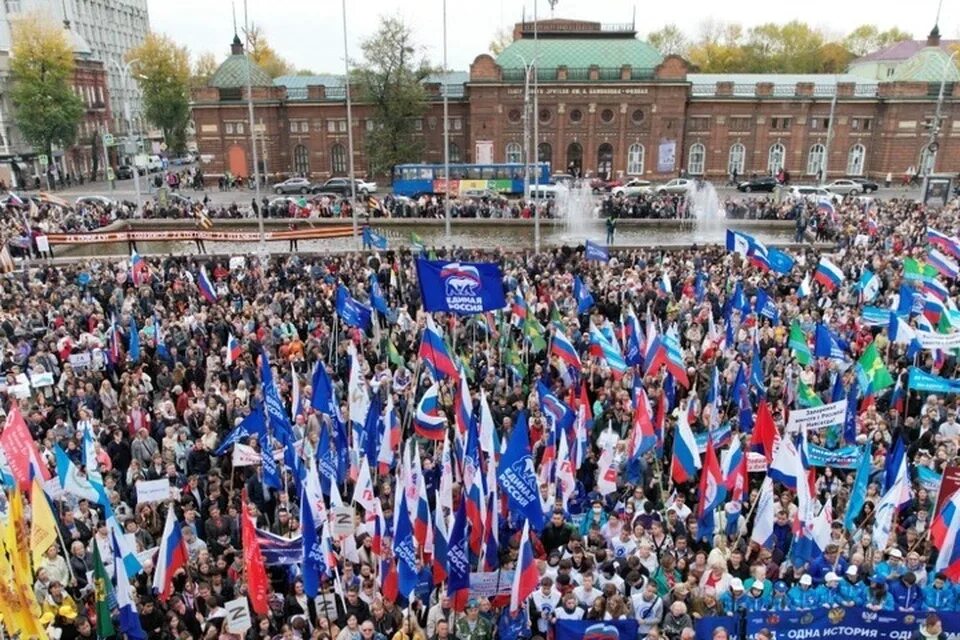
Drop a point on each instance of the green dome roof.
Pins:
(927, 65)
(232, 74)
(581, 53)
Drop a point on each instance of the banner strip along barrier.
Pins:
(316, 233)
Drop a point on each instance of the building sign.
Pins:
(484, 152)
(583, 91)
(667, 156)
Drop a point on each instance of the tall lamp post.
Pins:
(253, 134)
(346, 86)
(125, 72)
(932, 145)
(446, 132)
(527, 71)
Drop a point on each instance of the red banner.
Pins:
(21, 451)
(312, 233)
(257, 582)
(949, 484)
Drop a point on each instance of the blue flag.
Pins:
(133, 348)
(323, 397)
(893, 462)
(373, 239)
(756, 373)
(327, 461)
(405, 550)
(858, 493)
(464, 288)
(517, 477)
(766, 307)
(253, 424)
(907, 295)
(780, 261)
(377, 299)
(352, 312)
(850, 419)
(271, 473)
(370, 434)
(582, 294)
(826, 345)
(596, 251)
(278, 418)
(458, 556)
(314, 559)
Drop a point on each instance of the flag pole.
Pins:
(749, 515)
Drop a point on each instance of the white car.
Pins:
(634, 187)
(542, 191)
(844, 187)
(814, 193)
(675, 186)
(103, 201)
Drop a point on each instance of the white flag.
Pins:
(763, 522)
(606, 473)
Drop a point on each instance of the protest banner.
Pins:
(817, 417)
(153, 490)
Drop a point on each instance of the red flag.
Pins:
(21, 451)
(764, 432)
(712, 489)
(256, 572)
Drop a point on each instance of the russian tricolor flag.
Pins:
(435, 355)
(172, 557)
(945, 242)
(526, 577)
(944, 532)
(686, 454)
(206, 286)
(139, 270)
(603, 348)
(563, 349)
(944, 264)
(828, 274)
(430, 423)
(233, 350)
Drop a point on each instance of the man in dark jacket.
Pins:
(557, 533)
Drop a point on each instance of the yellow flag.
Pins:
(16, 537)
(43, 529)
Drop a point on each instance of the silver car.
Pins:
(292, 185)
(677, 186)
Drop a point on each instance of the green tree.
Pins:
(265, 55)
(868, 37)
(391, 80)
(669, 41)
(834, 58)
(501, 40)
(203, 69)
(162, 70)
(48, 110)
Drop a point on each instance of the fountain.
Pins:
(706, 211)
(577, 207)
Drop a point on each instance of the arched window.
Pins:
(514, 152)
(454, 152)
(338, 160)
(775, 158)
(301, 160)
(697, 159)
(574, 158)
(605, 160)
(815, 159)
(855, 158)
(635, 160)
(737, 160)
(545, 153)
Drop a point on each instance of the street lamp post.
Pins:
(932, 144)
(253, 135)
(346, 86)
(125, 74)
(536, 131)
(446, 131)
(527, 70)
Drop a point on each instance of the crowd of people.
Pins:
(157, 373)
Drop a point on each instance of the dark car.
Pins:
(125, 172)
(869, 186)
(341, 186)
(766, 183)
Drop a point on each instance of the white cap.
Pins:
(895, 553)
(736, 584)
(831, 577)
(852, 570)
(806, 579)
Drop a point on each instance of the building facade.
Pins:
(607, 104)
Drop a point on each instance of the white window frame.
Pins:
(737, 160)
(513, 152)
(636, 154)
(697, 159)
(852, 167)
(776, 152)
(815, 157)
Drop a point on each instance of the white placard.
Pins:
(44, 379)
(342, 519)
(238, 615)
(487, 584)
(43, 244)
(80, 361)
(817, 417)
(945, 341)
(19, 390)
(245, 455)
(237, 262)
(756, 462)
(153, 490)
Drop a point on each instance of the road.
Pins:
(124, 190)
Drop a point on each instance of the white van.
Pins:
(542, 192)
(154, 163)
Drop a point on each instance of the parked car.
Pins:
(809, 192)
(869, 186)
(102, 201)
(154, 163)
(542, 191)
(562, 178)
(633, 187)
(342, 186)
(844, 187)
(675, 186)
(293, 185)
(763, 183)
(482, 195)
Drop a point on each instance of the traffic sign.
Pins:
(108, 139)
(110, 175)
(44, 160)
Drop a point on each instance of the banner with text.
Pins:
(817, 417)
(596, 630)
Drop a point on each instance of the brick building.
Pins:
(607, 104)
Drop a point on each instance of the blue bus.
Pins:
(413, 180)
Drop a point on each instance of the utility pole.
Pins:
(446, 131)
(825, 163)
(124, 70)
(932, 145)
(346, 86)
(536, 132)
(253, 134)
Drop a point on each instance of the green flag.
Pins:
(417, 242)
(872, 372)
(393, 355)
(798, 342)
(806, 397)
(103, 593)
(534, 333)
(912, 269)
(515, 362)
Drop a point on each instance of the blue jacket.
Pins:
(829, 597)
(730, 604)
(820, 567)
(888, 572)
(852, 592)
(760, 603)
(906, 598)
(939, 599)
(801, 598)
(782, 537)
(779, 603)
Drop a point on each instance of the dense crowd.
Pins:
(162, 409)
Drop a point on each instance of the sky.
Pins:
(309, 32)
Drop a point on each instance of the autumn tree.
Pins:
(264, 55)
(162, 70)
(868, 37)
(391, 79)
(48, 111)
(204, 67)
(501, 40)
(669, 40)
